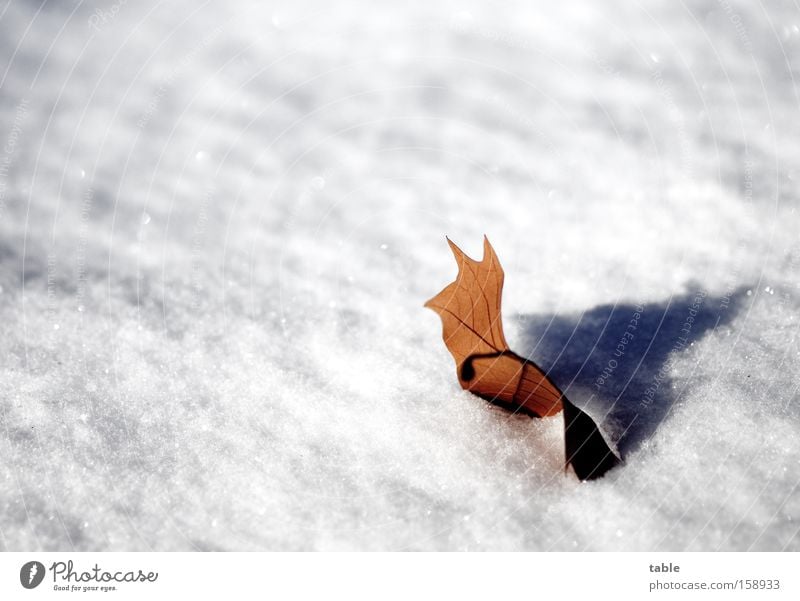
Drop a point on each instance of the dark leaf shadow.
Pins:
(614, 361)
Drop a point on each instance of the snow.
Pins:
(218, 226)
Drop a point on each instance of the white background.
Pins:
(410, 575)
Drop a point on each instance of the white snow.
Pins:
(218, 226)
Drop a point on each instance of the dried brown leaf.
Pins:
(472, 329)
(473, 333)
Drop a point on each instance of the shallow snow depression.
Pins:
(219, 225)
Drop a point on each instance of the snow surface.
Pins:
(218, 225)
